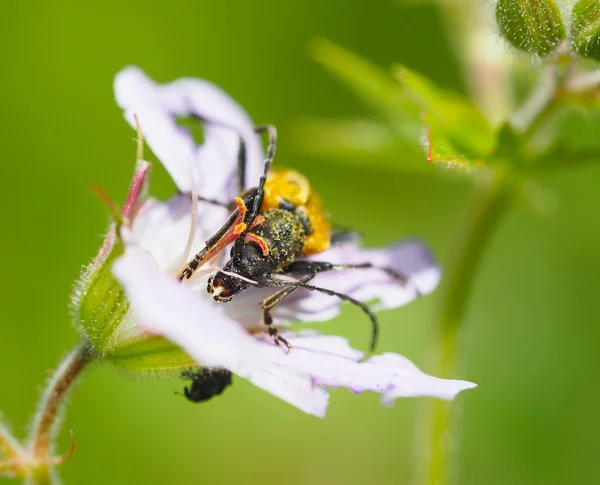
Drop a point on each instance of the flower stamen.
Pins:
(193, 227)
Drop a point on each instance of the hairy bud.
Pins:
(534, 26)
(585, 28)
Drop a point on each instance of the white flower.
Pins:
(225, 335)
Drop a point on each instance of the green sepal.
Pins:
(102, 314)
(98, 303)
(150, 354)
(585, 28)
(536, 26)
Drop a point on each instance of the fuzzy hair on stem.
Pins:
(46, 421)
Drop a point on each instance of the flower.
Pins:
(162, 237)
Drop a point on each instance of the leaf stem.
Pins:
(46, 421)
(433, 443)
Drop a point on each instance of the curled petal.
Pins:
(209, 168)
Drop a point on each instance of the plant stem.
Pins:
(47, 419)
(433, 444)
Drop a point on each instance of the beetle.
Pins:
(272, 227)
(206, 383)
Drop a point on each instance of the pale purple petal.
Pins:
(210, 166)
(316, 342)
(200, 327)
(189, 96)
(411, 258)
(413, 382)
(137, 94)
(162, 229)
(390, 374)
(195, 324)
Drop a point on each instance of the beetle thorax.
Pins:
(266, 248)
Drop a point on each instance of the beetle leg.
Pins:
(321, 267)
(269, 303)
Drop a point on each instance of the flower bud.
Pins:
(585, 28)
(532, 26)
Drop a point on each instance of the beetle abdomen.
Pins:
(270, 245)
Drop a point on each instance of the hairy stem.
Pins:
(46, 421)
(433, 441)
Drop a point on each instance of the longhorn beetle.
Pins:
(273, 225)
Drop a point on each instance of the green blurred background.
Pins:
(532, 329)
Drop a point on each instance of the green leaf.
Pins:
(441, 152)
(585, 28)
(459, 130)
(535, 26)
(373, 85)
(99, 304)
(150, 354)
(457, 117)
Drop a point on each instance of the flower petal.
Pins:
(168, 308)
(135, 93)
(412, 259)
(327, 360)
(211, 166)
(162, 229)
(208, 335)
